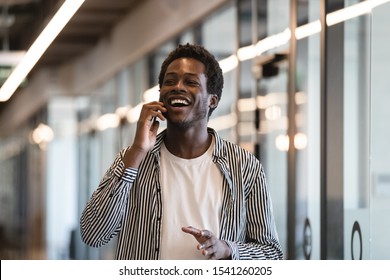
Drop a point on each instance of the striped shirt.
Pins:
(128, 202)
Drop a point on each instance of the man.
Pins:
(184, 193)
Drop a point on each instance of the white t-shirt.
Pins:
(192, 196)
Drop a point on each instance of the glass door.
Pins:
(305, 139)
(356, 136)
(380, 134)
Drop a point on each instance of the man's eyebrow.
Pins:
(185, 74)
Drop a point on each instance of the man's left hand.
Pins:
(209, 244)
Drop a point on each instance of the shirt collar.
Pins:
(218, 149)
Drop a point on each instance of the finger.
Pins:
(154, 114)
(191, 230)
(209, 252)
(151, 115)
(159, 115)
(153, 107)
(156, 106)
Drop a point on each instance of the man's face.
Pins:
(184, 93)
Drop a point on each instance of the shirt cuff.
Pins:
(126, 174)
(234, 249)
(129, 174)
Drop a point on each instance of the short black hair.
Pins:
(213, 71)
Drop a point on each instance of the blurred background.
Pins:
(306, 90)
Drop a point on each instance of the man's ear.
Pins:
(213, 101)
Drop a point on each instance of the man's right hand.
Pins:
(145, 136)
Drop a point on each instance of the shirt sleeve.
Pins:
(102, 216)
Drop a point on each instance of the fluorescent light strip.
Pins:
(376, 3)
(266, 44)
(246, 53)
(229, 63)
(60, 19)
(308, 30)
(348, 13)
(273, 41)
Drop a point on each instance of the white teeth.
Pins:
(179, 101)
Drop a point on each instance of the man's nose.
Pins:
(180, 86)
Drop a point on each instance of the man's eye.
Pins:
(168, 82)
(193, 83)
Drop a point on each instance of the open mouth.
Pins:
(176, 102)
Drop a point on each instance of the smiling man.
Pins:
(184, 193)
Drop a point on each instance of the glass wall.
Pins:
(262, 105)
(272, 140)
(356, 135)
(379, 203)
(306, 139)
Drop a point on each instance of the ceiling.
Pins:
(21, 21)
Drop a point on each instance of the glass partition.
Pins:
(380, 134)
(271, 111)
(307, 137)
(356, 136)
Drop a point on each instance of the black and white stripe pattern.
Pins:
(128, 202)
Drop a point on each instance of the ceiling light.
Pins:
(282, 142)
(228, 63)
(376, 3)
(57, 23)
(42, 133)
(273, 41)
(107, 121)
(300, 141)
(348, 13)
(307, 30)
(246, 53)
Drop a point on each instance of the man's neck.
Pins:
(187, 143)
